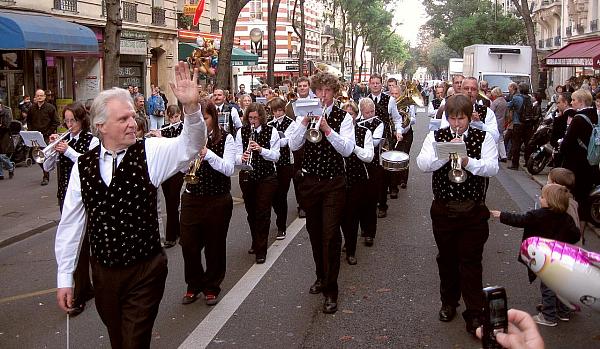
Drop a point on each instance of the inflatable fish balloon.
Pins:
(570, 271)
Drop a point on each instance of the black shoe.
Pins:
(516, 168)
(369, 241)
(381, 213)
(251, 251)
(11, 174)
(189, 297)
(76, 310)
(301, 213)
(260, 260)
(330, 305)
(403, 185)
(1, 177)
(44, 181)
(317, 287)
(169, 244)
(503, 160)
(351, 260)
(472, 325)
(394, 195)
(280, 235)
(447, 313)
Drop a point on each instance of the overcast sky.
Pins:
(411, 14)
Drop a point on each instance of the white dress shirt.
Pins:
(225, 164)
(431, 111)
(393, 111)
(487, 166)
(50, 163)
(271, 154)
(235, 116)
(164, 157)
(490, 125)
(366, 153)
(342, 142)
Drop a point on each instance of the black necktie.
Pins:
(115, 156)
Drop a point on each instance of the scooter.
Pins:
(540, 140)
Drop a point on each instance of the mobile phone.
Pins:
(495, 317)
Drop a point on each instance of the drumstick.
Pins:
(396, 144)
(67, 330)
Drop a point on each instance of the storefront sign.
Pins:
(570, 62)
(135, 35)
(133, 47)
(189, 10)
(130, 75)
(596, 62)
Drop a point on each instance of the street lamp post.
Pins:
(256, 36)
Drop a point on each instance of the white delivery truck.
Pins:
(498, 64)
(455, 67)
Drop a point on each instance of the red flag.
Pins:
(199, 10)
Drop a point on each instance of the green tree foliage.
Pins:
(437, 57)
(443, 13)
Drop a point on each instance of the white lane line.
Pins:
(204, 333)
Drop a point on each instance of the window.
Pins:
(66, 5)
(256, 9)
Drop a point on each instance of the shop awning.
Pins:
(36, 31)
(239, 57)
(577, 54)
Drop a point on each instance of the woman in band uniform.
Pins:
(79, 141)
(206, 209)
(259, 184)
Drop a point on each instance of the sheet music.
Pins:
(308, 106)
(443, 149)
(30, 136)
(261, 100)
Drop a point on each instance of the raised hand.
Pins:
(185, 88)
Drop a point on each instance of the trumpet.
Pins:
(190, 176)
(313, 133)
(247, 165)
(456, 173)
(41, 155)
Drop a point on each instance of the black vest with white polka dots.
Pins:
(285, 157)
(172, 132)
(372, 125)
(382, 112)
(262, 168)
(212, 182)
(471, 189)
(321, 159)
(65, 165)
(356, 170)
(122, 218)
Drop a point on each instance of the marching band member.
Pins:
(206, 209)
(368, 222)
(79, 141)
(407, 136)
(171, 188)
(322, 186)
(436, 102)
(358, 209)
(303, 89)
(458, 212)
(284, 166)
(387, 111)
(112, 193)
(233, 122)
(258, 145)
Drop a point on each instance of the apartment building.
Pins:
(69, 59)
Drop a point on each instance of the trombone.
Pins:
(247, 165)
(41, 155)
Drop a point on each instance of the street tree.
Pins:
(437, 57)
(273, 9)
(232, 12)
(524, 10)
(112, 43)
(301, 32)
(443, 13)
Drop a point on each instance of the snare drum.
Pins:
(394, 160)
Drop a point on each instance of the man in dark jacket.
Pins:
(42, 117)
(6, 143)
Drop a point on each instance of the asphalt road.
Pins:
(389, 299)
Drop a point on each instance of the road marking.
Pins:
(204, 333)
(27, 295)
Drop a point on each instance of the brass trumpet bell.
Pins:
(411, 96)
(313, 133)
(190, 176)
(456, 173)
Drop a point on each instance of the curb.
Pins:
(27, 234)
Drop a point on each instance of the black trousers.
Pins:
(298, 158)
(127, 299)
(172, 191)
(280, 205)
(460, 239)
(368, 217)
(204, 226)
(515, 144)
(359, 210)
(258, 198)
(404, 146)
(324, 201)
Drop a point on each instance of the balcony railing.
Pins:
(549, 42)
(569, 31)
(594, 25)
(158, 16)
(129, 11)
(541, 43)
(557, 40)
(66, 5)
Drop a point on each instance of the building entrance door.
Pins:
(11, 90)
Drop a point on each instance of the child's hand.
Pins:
(495, 214)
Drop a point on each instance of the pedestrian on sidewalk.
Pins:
(42, 117)
(551, 221)
(6, 142)
(112, 196)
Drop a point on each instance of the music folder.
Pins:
(308, 106)
(444, 149)
(30, 136)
